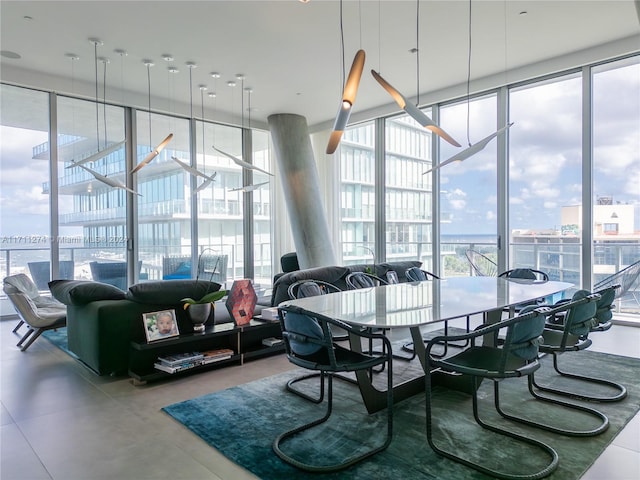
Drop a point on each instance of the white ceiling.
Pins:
(290, 51)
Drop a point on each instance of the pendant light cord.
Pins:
(104, 101)
(469, 76)
(417, 53)
(149, 100)
(95, 65)
(202, 113)
(342, 48)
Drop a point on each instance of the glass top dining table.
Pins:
(421, 303)
(415, 304)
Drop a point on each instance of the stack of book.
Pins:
(178, 362)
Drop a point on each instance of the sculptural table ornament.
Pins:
(242, 301)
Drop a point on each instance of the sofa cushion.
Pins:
(81, 292)
(170, 292)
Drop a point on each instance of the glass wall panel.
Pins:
(220, 207)
(468, 189)
(616, 173)
(408, 193)
(24, 183)
(91, 212)
(262, 209)
(164, 201)
(357, 195)
(545, 177)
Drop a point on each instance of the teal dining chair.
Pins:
(571, 334)
(517, 357)
(309, 344)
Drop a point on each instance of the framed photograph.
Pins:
(160, 325)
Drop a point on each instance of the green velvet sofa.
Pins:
(102, 320)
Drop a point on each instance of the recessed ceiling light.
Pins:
(10, 54)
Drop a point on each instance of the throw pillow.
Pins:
(81, 292)
(170, 292)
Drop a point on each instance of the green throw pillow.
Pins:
(170, 292)
(81, 292)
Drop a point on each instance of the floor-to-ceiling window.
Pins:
(357, 194)
(468, 189)
(91, 211)
(262, 211)
(545, 177)
(616, 172)
(408, 193)
(24, 162)
(162, 184)
(220, 204)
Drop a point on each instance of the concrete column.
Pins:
(299, 177)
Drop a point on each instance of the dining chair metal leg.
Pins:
(621, 389)
(590, 432)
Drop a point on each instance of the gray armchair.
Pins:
(38, 312)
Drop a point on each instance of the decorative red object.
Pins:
(242, 301)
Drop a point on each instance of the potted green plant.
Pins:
(200, 310)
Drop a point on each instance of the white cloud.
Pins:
(458, 204)
(490, 215)
(551, 205)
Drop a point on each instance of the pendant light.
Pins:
(349, 91)
(188, 168)
(107, 149)
(234, 159)
(106, 180)
(156, 151)
(101, 153)
(412, 110)
(255, 186)
(476, 147)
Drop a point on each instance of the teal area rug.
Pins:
(241, 422)
(59, 338)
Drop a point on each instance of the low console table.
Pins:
(245, 341)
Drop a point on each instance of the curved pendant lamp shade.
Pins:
(472, 150)
(154, 153)
(99, 154)
(413, 111)
(249, 188)
(241, 163)
(348, 99)
(196, 173)
(107, 180)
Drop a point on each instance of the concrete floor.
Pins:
(60, 421)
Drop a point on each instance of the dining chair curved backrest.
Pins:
(310, 288)
(415, 274)
(626, 278)
(357, 280)
(525, 273)
(481, 265)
